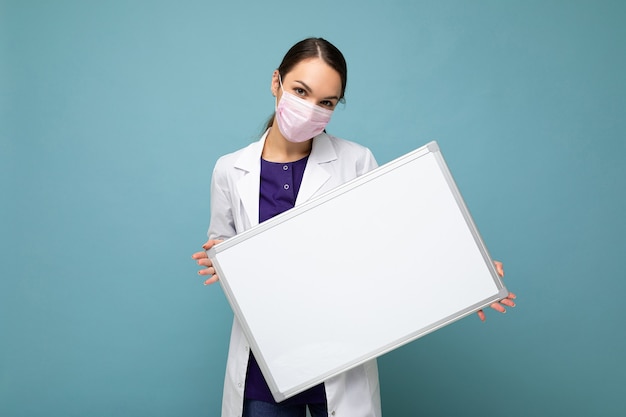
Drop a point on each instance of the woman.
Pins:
(293, 161)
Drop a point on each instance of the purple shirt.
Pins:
(280, 183)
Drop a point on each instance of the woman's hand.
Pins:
(500, 305)
(203, 260)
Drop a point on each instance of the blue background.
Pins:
(113, 114)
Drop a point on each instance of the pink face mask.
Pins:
(299, 120)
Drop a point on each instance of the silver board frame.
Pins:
(357, 272)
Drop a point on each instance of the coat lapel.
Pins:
(315, 176)
(248, 187)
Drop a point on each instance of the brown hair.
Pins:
(314, 48)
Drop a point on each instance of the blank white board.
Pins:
(363, 269)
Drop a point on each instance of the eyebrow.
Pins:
(308, 89)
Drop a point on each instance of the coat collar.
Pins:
(315, 175)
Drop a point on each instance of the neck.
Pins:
(279, 149)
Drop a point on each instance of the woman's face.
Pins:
(312, 80)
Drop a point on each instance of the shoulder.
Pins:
(348, 154)
(343, 146)
(230, 159)
(240, 160)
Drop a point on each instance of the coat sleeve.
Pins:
(222, 225)
(366, 163)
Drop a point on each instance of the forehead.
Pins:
(318, 75)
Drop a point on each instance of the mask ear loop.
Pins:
(280, 82)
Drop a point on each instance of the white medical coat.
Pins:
(235, 207)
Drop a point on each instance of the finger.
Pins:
(207, 271)
(511, 296)
(199, 255)
(210, 243)
(508, 302)
(211, 280)
(498, 307)
(204, 262)
(499, 268)
(481, 315)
